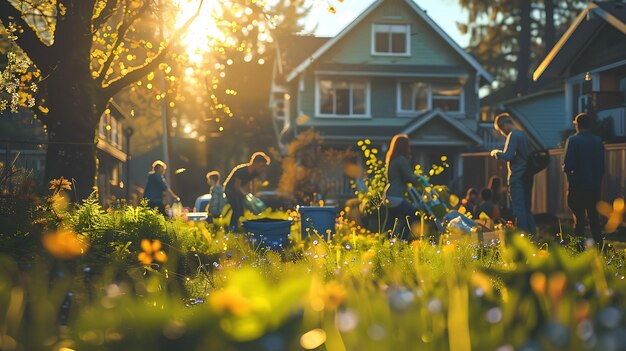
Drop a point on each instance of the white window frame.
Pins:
(351, 82)
(411, 113)
(407, 44)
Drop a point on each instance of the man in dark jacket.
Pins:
(584, 166)
(515, 153)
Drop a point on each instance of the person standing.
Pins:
(156, 186)
(239, 184)
(583, 164)
(216, 203)
(399, 175)
(515, 153)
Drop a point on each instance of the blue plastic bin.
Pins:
(318, 218)
(271, 233)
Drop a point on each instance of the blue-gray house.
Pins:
(392, 70)
(590, 61)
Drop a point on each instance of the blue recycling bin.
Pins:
(320, 219)
(271, 233)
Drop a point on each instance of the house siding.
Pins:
(428, 52)
(383, 99)
(427, 48)
(545, 114)
(471, 101)
(432, 60)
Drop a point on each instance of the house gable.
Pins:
(436, 128)
(429, 44)
(607, 47)
(426, 47)
(583, 30)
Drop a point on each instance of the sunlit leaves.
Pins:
(16, 86)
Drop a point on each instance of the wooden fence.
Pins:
(550, 190)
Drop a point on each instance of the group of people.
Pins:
(583, 164)
(237, 186)
(491, 201)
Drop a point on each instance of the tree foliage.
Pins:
(510, 37)
(86, 51)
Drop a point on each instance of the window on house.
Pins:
(420, 96)
(343, 98)
(391, 39)
(114, 132)
(414, 96)
(102, 126)
(446, 98)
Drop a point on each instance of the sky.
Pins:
(444, 12)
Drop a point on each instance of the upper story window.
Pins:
(390, 39)
(415, 97)
(447, 98)
(110, 130)
(343, 98)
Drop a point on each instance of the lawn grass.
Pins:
(359, 290)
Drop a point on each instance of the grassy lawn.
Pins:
(81, 278)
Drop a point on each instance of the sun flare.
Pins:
(204, 33)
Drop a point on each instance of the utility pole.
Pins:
(128, 133)
(164, 119)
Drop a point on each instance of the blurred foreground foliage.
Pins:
(83, 278)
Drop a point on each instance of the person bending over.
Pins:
(239, 184)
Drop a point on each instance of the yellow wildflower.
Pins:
(538, 283)
(230, 300)
(614, 214)
(151, 252)
(333, 294)
(556, 286)
(64, 244)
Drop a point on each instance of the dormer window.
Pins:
(390, 39)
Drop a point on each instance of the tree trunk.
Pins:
(71, 125)
(75, 104)
(523, 56)
(550, 31)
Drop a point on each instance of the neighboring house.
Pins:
(590, 59)
(20, 133)
(392, 70)
(540, 114)
(112, 154)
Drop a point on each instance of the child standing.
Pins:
(216, 203)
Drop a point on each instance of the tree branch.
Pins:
(105, 14)
(27, 39)
(114, 86)
(122, 29)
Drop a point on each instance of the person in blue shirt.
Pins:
(583, 164)
(216, 203)
(515, 153)
(156, 186)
